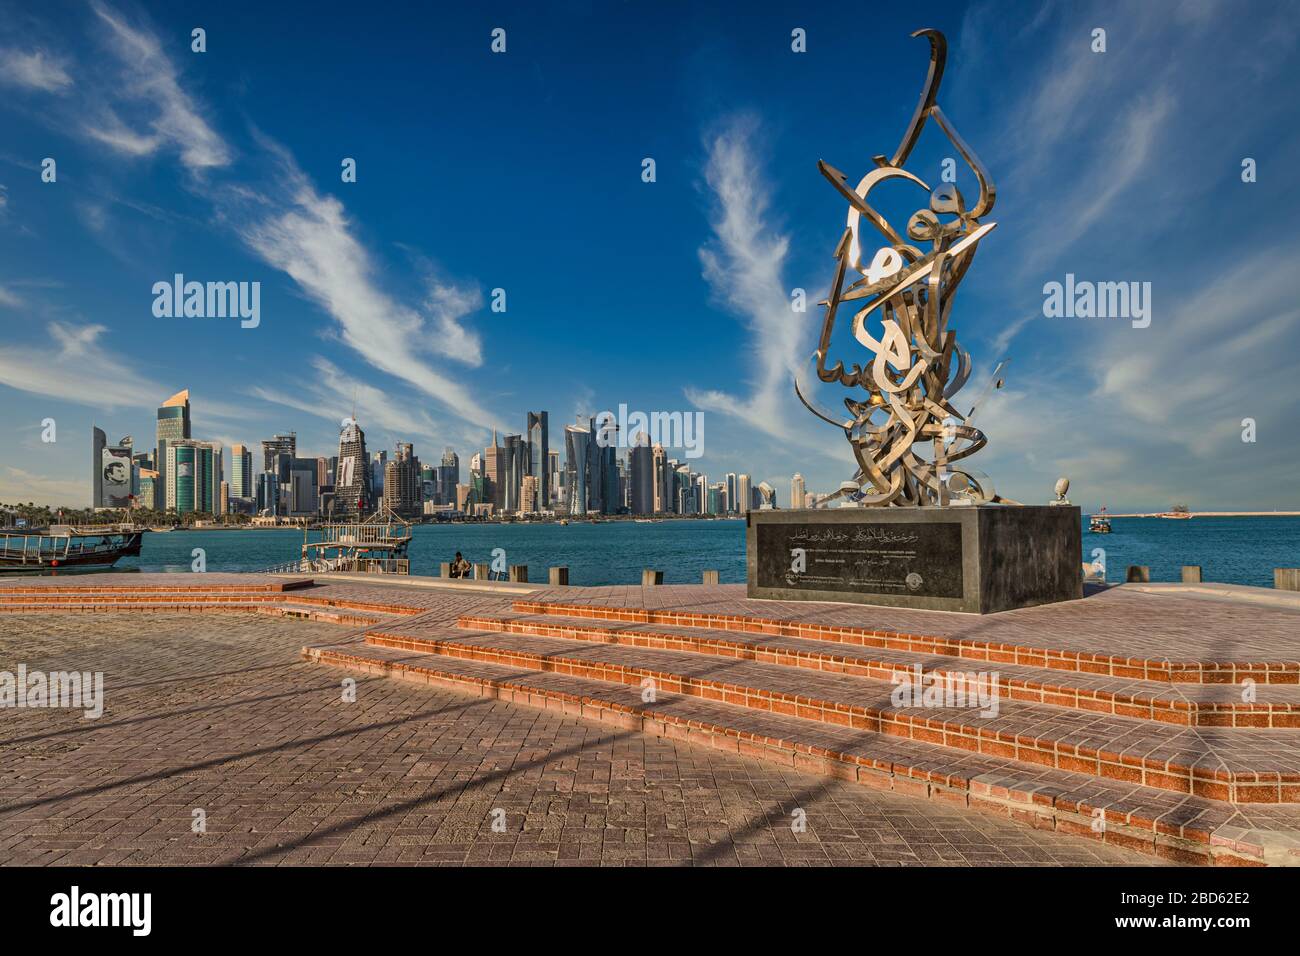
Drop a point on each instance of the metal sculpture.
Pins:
(918, 365)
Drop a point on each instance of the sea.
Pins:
(1230, 550)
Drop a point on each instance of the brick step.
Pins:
(1206, 705)
(116, 597)
(400, 610)
(199, 606)
(1241, 766)
(207, 584)
(994, 652)
(1182, 827)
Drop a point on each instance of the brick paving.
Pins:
(217, 712)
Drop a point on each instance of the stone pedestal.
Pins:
(978, 559)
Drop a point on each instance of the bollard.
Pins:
(1286, 579)
(445, 569)
(519, 572)
(1191, 574)
(481, 572)
(1139, 574)
(650, 576)
(710, 577)
(560, 576)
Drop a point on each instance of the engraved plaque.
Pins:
(897, 558)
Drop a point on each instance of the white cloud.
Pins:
(17, 486)
(310, 238)
(36, 70)
(77, 369)
(150, 77)
(743, 264)
(9, 299)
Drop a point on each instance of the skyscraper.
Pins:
(576, 454)
(797, 491)
(743, 494)
(494, 472)
(241, 472)
(402, 481)
(448, 477)
(537, 433)
(514, 462)
(193, 476)
(731, 492)
(641, 475)
(173, 424)
(111, 472)
(353, 497)
(279, 445)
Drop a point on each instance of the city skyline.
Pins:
(516, 475)
(224, 167)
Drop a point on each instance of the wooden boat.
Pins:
(63, 547)
(377, 545)
(1100, 522)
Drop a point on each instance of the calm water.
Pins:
(1231, 550)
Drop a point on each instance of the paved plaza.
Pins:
(218, 713)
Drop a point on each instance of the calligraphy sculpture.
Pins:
(907, 294)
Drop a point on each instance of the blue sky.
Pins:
(522, 171)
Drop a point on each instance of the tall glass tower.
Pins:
(539, 454)
(173, 425)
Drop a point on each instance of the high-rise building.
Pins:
(267, 493)
(377, 462)
(641, 475)
(173, 424)
(353, 497)
(662, 477)
(401, 481)
(537, 434)
(743, 494)
(701, 486)
(448, 477)
(552, 478)
(223, 497)
(494, 471)
(193, 476)
(603, 494)
(241, 472)
(731, 493)
(303, 489)
(279, 445)
(515, 462)
(147, 496)
(797, 491)
(577, 443)
(529, 492)
(112, 474)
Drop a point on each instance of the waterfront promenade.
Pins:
(1122, 727)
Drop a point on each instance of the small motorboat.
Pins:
(1100, 522)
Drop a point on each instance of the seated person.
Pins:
(460, 568)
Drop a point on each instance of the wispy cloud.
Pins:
(150, 79)
(37, 70)
(77, 367)
(309, 236)
(743, 264)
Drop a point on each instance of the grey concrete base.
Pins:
(977, 559)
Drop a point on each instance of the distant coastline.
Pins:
(1210, 514)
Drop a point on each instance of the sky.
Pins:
(523, 171)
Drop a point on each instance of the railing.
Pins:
(343, 563)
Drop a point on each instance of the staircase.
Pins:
(1175, 758)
